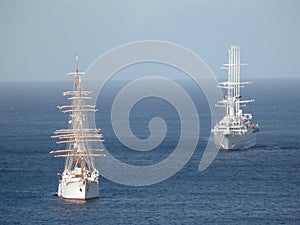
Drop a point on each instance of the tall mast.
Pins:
(236, 50)
(78, 136)
(234, 80)
(231, 71)
(233, 85)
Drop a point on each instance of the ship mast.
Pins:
(78, 137)
(232, 100)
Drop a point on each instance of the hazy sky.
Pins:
(39, 38)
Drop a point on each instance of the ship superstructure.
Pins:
(80, 178)
(234, 130)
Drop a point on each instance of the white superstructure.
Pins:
(234, 130)
(80, 178)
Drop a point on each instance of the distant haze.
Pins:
(39, 38)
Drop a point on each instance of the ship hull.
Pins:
(78, 190)
(235, 141)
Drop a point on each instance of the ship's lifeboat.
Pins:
(255, 127)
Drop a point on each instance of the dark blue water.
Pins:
(256, 186)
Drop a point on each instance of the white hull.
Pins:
(78, 189)
(235, 141)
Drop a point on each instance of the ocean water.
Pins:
(255, 186)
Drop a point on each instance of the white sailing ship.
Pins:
(234, 130)
(80, 178)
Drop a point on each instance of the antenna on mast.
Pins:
(76, 60)
(76, 73)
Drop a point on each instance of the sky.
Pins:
(39, 38)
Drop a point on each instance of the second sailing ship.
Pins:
(234, 130)
(80, 178)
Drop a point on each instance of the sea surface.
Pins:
(260, 185)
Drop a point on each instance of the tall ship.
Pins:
(234, 130)
(80, 178)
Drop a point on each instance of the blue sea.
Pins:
(260, 185)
